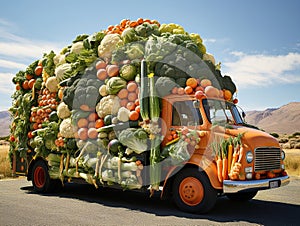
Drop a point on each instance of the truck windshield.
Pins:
(221, 112)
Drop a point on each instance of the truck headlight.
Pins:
(282, 155)
(249, 156)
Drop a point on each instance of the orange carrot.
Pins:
(241, 153)
(237, 145)
(219, 169)
(219, 162)
(225, 169)
(224, 145)
(233, 176)
(230, 150)
(235, 155)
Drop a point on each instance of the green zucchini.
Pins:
(153, 100)
(144, 93)
(155, 165)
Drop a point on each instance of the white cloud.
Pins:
(209, 40)
(14, 46)
(263, 70)
(12, 64)
(237, 53)
(16, 53)
(4, 22)
(6, 85)
(32, 50)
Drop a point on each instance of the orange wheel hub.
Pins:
(191, 191)
(39, 177)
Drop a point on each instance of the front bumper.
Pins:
(230, 186)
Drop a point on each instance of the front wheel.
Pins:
(192, 191)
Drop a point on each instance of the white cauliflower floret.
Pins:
(123, 114)
(108, 105)
(59, 59)
(63, 111)
(52, 84)
(66, 128)
(77, 47)
(108, 44)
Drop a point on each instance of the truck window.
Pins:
(184, 114)
(219, 112)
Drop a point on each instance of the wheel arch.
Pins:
(202, 164)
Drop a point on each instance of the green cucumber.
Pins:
(144, 93)
(153, 99)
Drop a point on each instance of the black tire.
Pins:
(40, 177)
(242, 196)
(192, 191)
(41, 181)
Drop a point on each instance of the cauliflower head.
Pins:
(108, 44)
(52, 84)
(108, 105)
(66, 128)
(63, 111)
(77, 47)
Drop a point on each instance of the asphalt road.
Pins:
(84, 205)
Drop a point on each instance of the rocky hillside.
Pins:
(5, 120)
(283, 120)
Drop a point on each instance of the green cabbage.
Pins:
(128, 72)
(115, 84)
(135, 139)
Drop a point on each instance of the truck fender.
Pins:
(209, 167)
(199, 162)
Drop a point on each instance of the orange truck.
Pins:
(214, 131)
(136, 107)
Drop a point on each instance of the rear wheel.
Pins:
(192, 191)
(41, 180)
(40, 177)
(242, 196)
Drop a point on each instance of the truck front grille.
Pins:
(267, 159)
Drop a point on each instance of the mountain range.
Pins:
(283, 120)
(5, 120)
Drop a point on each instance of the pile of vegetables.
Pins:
(93, 110)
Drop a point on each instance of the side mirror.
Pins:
(243, 114)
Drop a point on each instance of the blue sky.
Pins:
(257, 42)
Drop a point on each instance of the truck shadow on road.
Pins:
(225, 211)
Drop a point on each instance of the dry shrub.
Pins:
(292, 164)
(5, 169)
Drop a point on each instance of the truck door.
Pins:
(181, 113)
